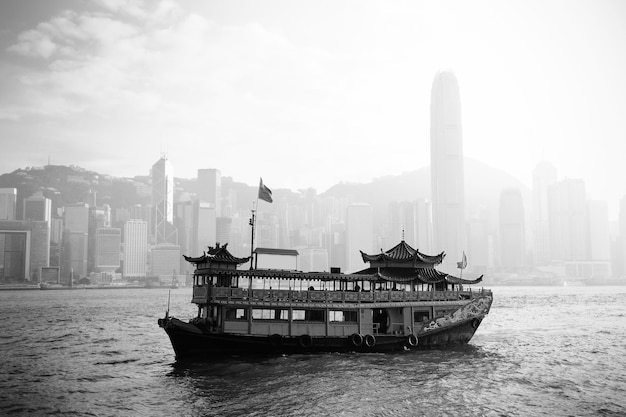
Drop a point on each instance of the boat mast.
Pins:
(253, 225)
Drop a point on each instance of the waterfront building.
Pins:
(313, 260)
(620, 262)
(75, 241)
(223, 229)
(599, 235)
(359, 234)
(37, 207)
(135, 248)
(512, 230)
(204, 226)
(424, 224)
(544, 176)
(8, 201)
(568, 222)
(162, 175)
(210, 188)
(108, 245)
(24, 250)
(164, 260)
(478, 243)
(447, 177)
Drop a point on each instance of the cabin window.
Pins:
(236, 314)
(309, 315)
(419, 316)
(270, 314)
(343, 316)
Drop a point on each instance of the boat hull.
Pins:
(191, 341)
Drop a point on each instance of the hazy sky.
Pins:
(311, 93)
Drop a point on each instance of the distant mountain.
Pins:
(65, 185)
(483, 186)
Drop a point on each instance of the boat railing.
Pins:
(203, 294)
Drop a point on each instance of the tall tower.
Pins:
(210, 188)
(512, 242)
(359, 234)
(135, 248)
(163, 201)
(8, 199)
(544, 175)
(446, 159)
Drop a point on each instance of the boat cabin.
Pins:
(397, 293)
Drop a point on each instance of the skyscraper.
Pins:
(108, 242)
(512, 242)
(75, 241)
(8, 199)
(210, 188)
(447, 178)
(568, 221)
(162, 175)
(37, 207)
(544, 175)
(359, 234)
(135, 248)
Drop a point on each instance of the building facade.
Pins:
(447, 174)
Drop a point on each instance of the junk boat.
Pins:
(400, 302)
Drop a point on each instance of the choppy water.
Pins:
(541, 351)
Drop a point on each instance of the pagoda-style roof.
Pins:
(218, 254)
(415, 275)
(403, 255)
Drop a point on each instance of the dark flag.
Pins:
(265, 193)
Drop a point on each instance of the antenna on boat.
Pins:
(253, 224)
(167, 313)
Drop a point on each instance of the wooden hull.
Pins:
(190, 341)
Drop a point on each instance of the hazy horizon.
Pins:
(326, 92)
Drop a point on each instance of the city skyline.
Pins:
(113, 84)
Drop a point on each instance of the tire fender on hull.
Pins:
(356, 340)
(369, 340)
(305, 341)
(276, 341)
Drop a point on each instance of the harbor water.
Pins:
(541, 351)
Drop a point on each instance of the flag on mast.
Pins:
(265, 193)
(463, 263)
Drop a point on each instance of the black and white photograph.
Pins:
(313, 208)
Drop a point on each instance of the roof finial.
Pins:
(403, 235)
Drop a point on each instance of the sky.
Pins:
(312, 93)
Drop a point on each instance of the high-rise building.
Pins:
(162, 174)
(24, 250)
(512, 242)
(76, 217)
(210, 188)
(223, 230)
(37, 207)
(447, 178)
(204, 226)
(599, 236)
(424, 224)
(75, 241)
(164, 260)
(478, 243)
(8, 200)
(108, 244)
(620, 262)
(568, 222)
(359, 234)
(544, 175)
(135, 249)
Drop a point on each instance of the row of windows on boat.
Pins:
(311, 285)
(309, 315)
